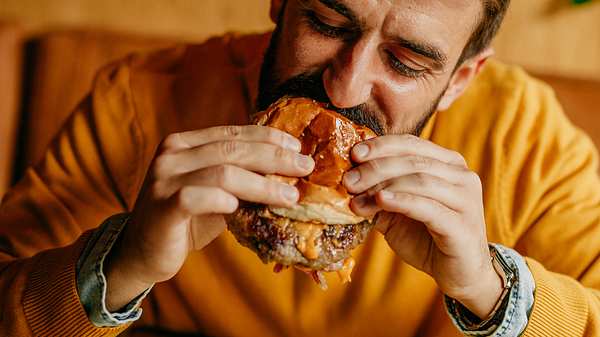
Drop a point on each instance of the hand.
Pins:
(195, 178)
(431, 214)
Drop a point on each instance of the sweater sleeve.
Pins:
(46, 219)
(563, 306)
(552, 173)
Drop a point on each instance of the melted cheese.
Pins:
(345, 272)
(307, 239)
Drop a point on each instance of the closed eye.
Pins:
(402, 68)
(328, 30)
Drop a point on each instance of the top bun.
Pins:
(328, 137)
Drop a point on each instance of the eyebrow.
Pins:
(431, 52)
(341, 9)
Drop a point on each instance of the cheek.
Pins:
(302, 50)
(405, 102)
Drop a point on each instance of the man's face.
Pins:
(383, 63)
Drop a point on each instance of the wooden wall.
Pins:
(188, 19)
(544, 35)
(552, 36)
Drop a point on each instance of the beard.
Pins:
(310, 85)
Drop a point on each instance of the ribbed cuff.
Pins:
(50, 300)
(560, 308)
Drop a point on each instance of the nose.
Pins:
(348, 80)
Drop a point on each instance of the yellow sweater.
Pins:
(539, 173)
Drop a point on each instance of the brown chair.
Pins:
(581, 101)
(64, 65)
(11, 47)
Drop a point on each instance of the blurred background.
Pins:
(50, 50)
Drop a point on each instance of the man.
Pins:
(496, 165)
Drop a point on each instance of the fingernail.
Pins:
(292, 144)
(386, 195)
(290, 193)
(361, 150)
(304, 162)
(352, 177)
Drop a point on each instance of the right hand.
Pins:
(195, 178)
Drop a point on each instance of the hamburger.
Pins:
(319, 232)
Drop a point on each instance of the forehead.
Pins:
(448, 24)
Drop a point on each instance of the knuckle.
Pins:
(474, 179)
(184, 199)
(225, 203)
(274, 137)
(231, 149)
(162, 166)
(158, 189)
(232, 131)
(281, 154)
(374, 165)
(378, 187)
(404, 197)
(421, 179)
(403, 201)
(271, 188)
(410, 139)
(419, 163)
(170, 142)
(458, 157)
(441, 211)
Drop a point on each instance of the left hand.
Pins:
(432, 214)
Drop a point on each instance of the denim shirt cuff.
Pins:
(514, 313)
(91, 281)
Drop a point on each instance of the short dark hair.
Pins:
(491, 18)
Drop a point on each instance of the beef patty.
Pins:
(293, 243)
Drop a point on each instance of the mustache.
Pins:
(310, 85)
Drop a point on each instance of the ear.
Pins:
(276, 8)
(462, 78)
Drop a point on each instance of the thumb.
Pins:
(204, 229)
(382, 222)
(407, 237)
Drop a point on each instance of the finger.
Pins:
(433, 214)
(249, 133)
(431, 187)
(420, 184)
(258, 157)
(404, 145)
(364, 205)
(376, 171)
(200, 200)
(243, 184)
